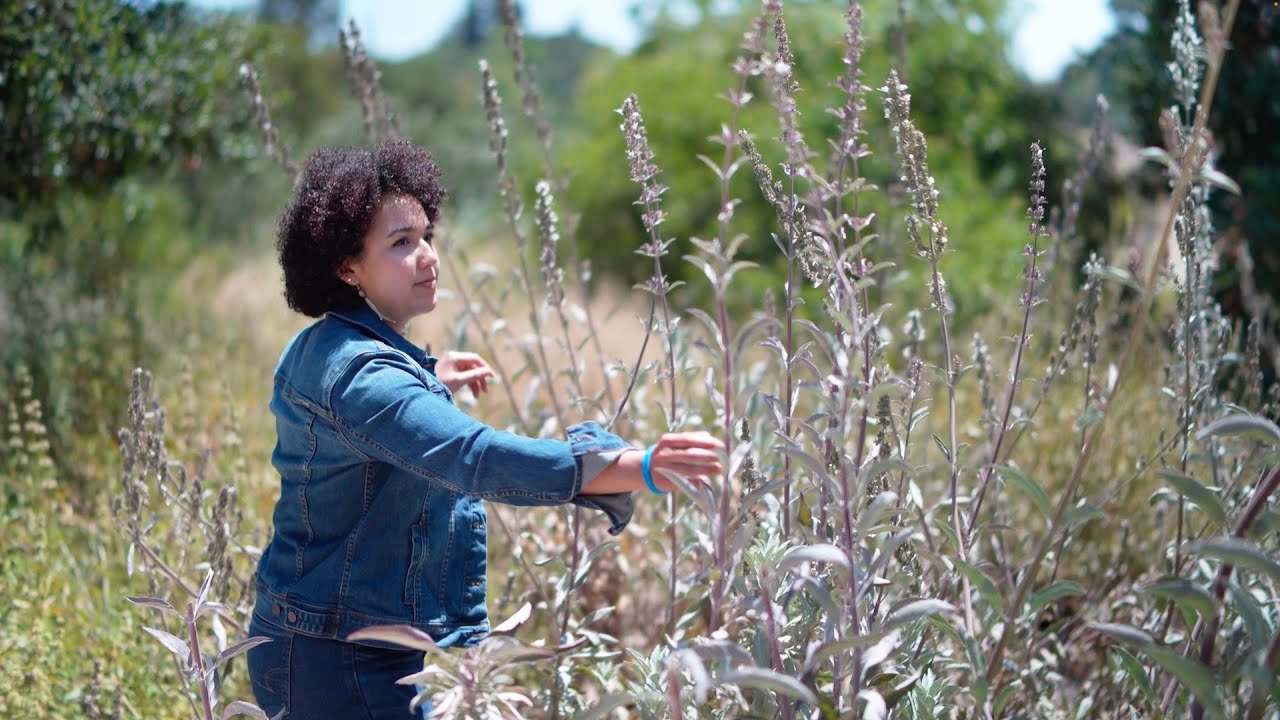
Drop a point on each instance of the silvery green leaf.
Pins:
(1126, 633)
(713, 328)
(242, 708)
(597, 615)
(1134, 669)
(822, 595)
(1090, 418)
(916, 609)
(821, 652)
(1053, 593)
(204, 588)
(697, 672)
(1184, 593)
(1220, 180)
(888, 387)
(875, 707)
(942, 447)
(756, 495)
(219, 632)
(1194, 676)
(519, 617)
(986, 588)
(715, 167)
(1120, 275)
(730, 653)
(1082, 513)
(403, 635)
(1003, 697)
(750, 330)
(1247, 606)
(155, 603)
(1158, 155)
(588, 562)
(173, 642)
(884, 466)
(606, 706)
(1238, 552)
(211, 606)
(871, 515)
(236, 649)
(821, 553)
(1195, 491)
(1016, 478)
(513, 651)
(899, 689)
(888, 549)
(879, 652)
(768, 680)
(1259, 429)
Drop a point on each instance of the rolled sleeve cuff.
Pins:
(596, 449)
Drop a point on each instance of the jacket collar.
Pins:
(366, 319)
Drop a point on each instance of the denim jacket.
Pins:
(380, 518)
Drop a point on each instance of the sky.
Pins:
(1048, 33)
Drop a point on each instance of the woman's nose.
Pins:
(427, 253)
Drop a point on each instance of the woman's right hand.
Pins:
(693, 455)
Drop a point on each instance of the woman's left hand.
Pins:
(456, 369)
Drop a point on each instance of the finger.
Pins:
(697, 439)
(468, 359)
(688, 456)
(470, 376)
(694, 470)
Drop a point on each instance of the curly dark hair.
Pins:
(333, 207)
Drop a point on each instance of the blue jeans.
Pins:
(322, 679)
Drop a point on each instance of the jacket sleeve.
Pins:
(382, 407)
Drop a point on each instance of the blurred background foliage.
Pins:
(128, 145)
(129, 163)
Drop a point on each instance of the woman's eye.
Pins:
(400, 241)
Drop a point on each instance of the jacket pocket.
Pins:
(418, 554)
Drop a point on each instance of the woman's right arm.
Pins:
(383, 410)
(693, 455)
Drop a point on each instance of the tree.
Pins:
(92, 90)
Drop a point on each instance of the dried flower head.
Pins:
(923, 225)
(275, 147)
(1185, 67)
(643, 171)
(548, 224)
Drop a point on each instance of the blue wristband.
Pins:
(646, 474)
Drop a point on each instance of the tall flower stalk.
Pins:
(513, 208)
(1029, 300)
(929, 235)
(531, 104)
(645, 174)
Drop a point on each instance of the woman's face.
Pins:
(398, 268)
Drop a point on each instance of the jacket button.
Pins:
(275, 609)
(292, 616)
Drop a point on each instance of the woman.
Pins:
(380, 518)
